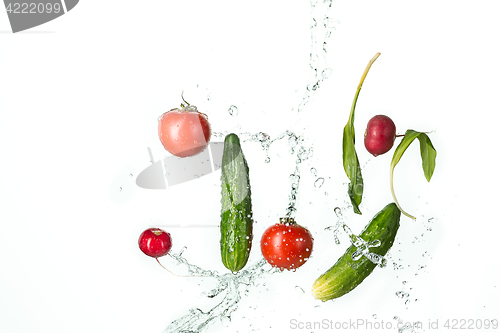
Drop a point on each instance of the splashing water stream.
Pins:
(363, 247)
(228, 285)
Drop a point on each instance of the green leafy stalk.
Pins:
(427, 152)
(349, 156)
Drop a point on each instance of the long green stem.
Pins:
(360, 84)
(394, 196)
(349, 155)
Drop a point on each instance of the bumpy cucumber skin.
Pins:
(347, 274)
(236, 213)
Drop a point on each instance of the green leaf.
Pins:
(349, 156)
(410, 135)
(352, 168)
(427, 152)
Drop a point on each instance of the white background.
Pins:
(79, 100)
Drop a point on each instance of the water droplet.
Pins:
(294, 178)
(337, 241)
(233, 110)
(300, 289)
(267, 160)
(319, 182)
(356, 255)
(326, 73)
(120, 189)
(314, 172)
(402, 294)
(338, 212)
(303, 154)
(374, 316)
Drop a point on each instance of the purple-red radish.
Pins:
(155, 242)
(380, 135)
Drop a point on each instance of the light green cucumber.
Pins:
(236, 213)
(347, 273)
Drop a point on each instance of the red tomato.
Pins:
(155, 242)
(184, 132)
(286, 245)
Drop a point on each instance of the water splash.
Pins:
(228, 285)
(362, 246)
(321, 28)
(297, 147)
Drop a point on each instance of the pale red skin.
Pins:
(380, 135)
(155, 242)
(184, 133)
(288, 250)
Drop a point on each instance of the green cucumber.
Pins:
(347, 273)
(236, 213)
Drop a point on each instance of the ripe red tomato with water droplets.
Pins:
(184, 131)
(286, 245)
(155, 242)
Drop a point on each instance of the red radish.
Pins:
(380, 135)
(155, 242)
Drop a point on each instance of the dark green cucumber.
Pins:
(236, 213)
(347, 273)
